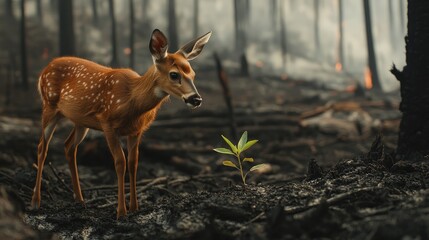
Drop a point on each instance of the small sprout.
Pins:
(236, 150)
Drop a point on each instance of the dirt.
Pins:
(329, 176)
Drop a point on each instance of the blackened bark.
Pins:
(224, 82)
(241, 17)
(114, 61)
(8, 11)
(273, 13)
(413, 139)
(94, 11)
(132, 31)
(316, 28)
(173, 38)
(340, 47)
(39, 10)
(283, 39)
(67, 41)
(401, 13)
(372, 61)
(23, 44)
(196, 17)
(391, 24)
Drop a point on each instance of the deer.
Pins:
(117, 101)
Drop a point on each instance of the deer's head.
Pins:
(176, 74)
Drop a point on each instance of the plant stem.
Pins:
(241, 169)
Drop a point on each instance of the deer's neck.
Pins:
(145, 95)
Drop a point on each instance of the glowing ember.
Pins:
(368, 78)
(127, 51)
(338, 67)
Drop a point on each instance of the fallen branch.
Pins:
(59, 178)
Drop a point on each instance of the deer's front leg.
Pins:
(120, 166)
(133, 159)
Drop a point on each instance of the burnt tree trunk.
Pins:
(241, 20)
(67, 41)
(132, 33)
(94, 11)
(173, 38)
(196, 17)
(340, 47)
(372, 61)
(391, 21)
(114, 61)
(23, 46)
(414, 128)
(401, 17)
(273, 13)
(283, 32)
(8, 11)
(39, 10)
(316, 28)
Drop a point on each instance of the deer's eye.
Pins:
(175, 76)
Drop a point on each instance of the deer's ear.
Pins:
(158, 45)
(193, 48)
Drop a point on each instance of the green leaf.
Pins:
(229, 164)
(232, 146)
(259, 166)
(248, 145)
(223, 151)
(243, 140)
(248, 160)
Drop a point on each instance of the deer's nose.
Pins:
(193, 101)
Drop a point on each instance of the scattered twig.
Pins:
(246, 224)
(59, 178)
(331, 201)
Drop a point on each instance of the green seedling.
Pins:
(236, 150)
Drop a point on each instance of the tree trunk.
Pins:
(24, 64)
(413, 139)
(67, 41)
(401, 17)
(283, 32)
(391, 24)
(114, 61)
(340, 48)
(94, 12)
(196, 17)
(8, 11)
(132, 31)
(173, 38)
(39, 10)
(372, 61)
(273, 13)
(316, 28)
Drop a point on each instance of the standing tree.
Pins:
(283, 32)
(241, 20)
(372, 61)
(173, 38)
(8, 9)
(413, 139)
(94, 11)
(66, 29)
(196, 18)
(316, 28)
(391, 24)
(340, 48)
(39, 10)
(132, 31)
(23, 43)
(401, 16)
(273, 4)
(114, 62)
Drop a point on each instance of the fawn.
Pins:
(118, 102)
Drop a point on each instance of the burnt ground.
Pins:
(330, 175)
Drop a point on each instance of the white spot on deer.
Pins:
(81, 98)
(49, 84)
(113, 95)
(118, 101)
(63, 75)
(62, 90)
(78, 81)
(117, 81)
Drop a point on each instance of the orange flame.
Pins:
(368, 78)
(338, 67)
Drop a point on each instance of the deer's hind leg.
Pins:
(74, 139)
(50, 118)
